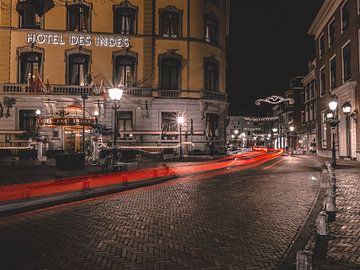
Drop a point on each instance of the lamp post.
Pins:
(291, 129)
(333, 121)
(84, 98)
(37, 113)
(180, 120)
(115, 95)
(274, 130)
(236, 132)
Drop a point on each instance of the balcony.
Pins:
(138, 92)
(67, 90)
(169, 93)
(219, 96)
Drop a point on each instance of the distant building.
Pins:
(240, 131)
(169, 57)
(307, 129)
(336, 34)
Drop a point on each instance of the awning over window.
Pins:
(40, 7)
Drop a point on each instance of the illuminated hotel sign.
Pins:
(78, 40)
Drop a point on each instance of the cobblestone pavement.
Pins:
(344, 244)
(229, 220)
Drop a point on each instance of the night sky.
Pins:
(268, 44)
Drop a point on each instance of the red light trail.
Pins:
(237, 162)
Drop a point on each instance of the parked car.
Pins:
(312, 148)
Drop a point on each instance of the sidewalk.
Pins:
(344, 245)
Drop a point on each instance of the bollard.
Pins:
(304, 260)
(331, 208)
(322, 237)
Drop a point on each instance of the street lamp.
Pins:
(333, 121)
(115, 95)
(84, 98)
(37, 113)
(180, 120)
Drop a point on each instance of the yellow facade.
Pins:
(194, 43)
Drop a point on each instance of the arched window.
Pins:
(170, 22)
(124, 69)
(125, 16)
(170, 70)
(211, 75)
(211, 29)
(79, 18)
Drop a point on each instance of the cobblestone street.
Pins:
(233, 220)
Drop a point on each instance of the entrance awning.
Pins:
(40, 7)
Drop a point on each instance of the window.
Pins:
(170, 73)
(346, 62)
(168, 124)
(322, 81)
(27, 120)
(29, 19)
(124, 123)
(78, 18)
(331, 31)
(311, 112)
(170, 22)
(345, 12)
(211, 128)
(125, 19)
(124, 70)
(358, 6)
(323, 130)
(312, 89)
(30, 66)
(211, 75)
(78, 69)
(211, 29)
(307, 93)
(333, 72)
(321, 46)
(306, 114)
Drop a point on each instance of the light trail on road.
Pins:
(52, 187)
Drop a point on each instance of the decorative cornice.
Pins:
(326, 11)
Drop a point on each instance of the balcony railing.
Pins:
(169, 93)
(213, 95)
(138, 92)
(68, 90)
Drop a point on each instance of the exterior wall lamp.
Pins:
(347, 108)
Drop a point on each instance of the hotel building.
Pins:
(168, 56)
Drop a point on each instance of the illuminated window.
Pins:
(170, 22)
(124, 70)
(78, 69)
(125, 19)
(323, 130)
(211, 74)
(78, 18)
(30, 66)
(211, 29)
(346, 53)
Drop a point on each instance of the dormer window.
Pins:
(78, 18)
(170, 22)
(125, 19)
(211, 29)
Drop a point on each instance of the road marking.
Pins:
(272, 165)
